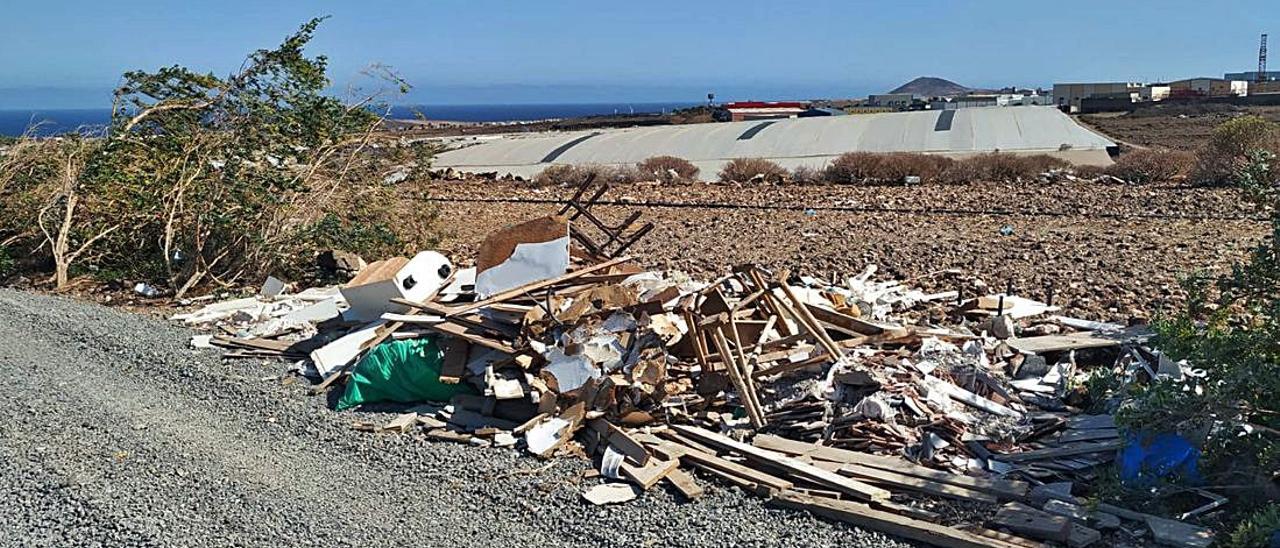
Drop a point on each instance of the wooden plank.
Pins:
(843, 322)
(1056, 452)
(1008, 489)
(911, 483)
(807, 471)
(471, 335)
(683, 482)
(735, 375)
(722, 466)
(650, 474)
(621, 441)
(1077, 341)
(454, 363)
(861, 515)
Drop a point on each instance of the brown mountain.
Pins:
(929, 86)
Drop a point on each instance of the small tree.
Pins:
(1230, 330)
(225, 166)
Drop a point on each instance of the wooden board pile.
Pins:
(810, 393)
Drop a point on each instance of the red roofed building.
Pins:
(760, 110)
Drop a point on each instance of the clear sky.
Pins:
(70, 53)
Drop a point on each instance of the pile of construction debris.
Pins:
(812, 393)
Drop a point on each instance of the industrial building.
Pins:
(759, 110)
(1252, 76)
(1069, 95)
(1207, 87)
(811, 142)
(901, 101)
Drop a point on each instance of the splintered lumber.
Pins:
(1007, 489)
(804, 470)
(861, 515)
(1055, 452)
(620, 441)
(843, 322)
(722, 467)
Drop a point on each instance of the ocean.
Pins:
(56, 121)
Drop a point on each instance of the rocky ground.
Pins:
(114, 433)
(1101, 251)
(1172, 125)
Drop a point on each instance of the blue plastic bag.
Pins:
(1148, 457)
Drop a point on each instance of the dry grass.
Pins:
(743, 170)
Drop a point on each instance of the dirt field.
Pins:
(1103, 251)
(1179, 127)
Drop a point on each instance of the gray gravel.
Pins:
(114, 433)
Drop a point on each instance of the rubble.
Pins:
(821, 396)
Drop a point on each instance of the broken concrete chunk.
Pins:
(569, 372)
(611, 493)
(1027, 521)
(271, 288)
(1169, 532)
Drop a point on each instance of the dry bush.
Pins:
(741, 170)
(668, 169)
(1001, 167)
(1152, 166)
(1089, 172)
(1228, 149)
(574, 175)
(880, 168)
(805, 175)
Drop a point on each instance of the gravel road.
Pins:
(114, 433)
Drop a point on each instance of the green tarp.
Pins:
(400, 371)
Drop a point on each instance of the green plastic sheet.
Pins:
(400, 371)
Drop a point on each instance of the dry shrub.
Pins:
(573, 175)
(1151, 166)
(668, 169)
(1001, 167)
(1227, 151)
(878, 168)
(805, 175)
(741, 170)
(1089, 172)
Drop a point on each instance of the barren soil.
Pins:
(1100, 251)
(1179, 127)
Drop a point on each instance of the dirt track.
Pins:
(114, 433)
(1107, 251)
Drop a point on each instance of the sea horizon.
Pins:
(54, 121)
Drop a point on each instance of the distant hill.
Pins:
(928, 86)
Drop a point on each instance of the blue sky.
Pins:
(70, 53)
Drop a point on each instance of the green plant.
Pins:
(1230, 331)
(1220, 160)
(743, 170)
(7, 267)
(1257, 529)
